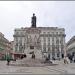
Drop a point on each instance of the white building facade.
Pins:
(70, 45)
(43, 41)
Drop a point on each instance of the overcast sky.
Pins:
(17, 14)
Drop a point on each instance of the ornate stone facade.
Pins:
(43, 41)
(71, 46)
(4, 46)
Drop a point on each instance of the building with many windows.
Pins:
(43, 41)
(4, 46)
(71, 46)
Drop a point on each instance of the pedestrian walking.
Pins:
(8, 61)
(8, 58)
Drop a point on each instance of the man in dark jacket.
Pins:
(8, 59)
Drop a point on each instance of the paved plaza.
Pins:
(17, 67)
(14, 68)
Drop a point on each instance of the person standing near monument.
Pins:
(33, 55)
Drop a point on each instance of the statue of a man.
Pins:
(33, 20)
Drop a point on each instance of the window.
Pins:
(16, 39)
(44, 32)
(17, 33)
(60, 32)
(44, 49)
(31, 47)
(58, 53)
(24, 45)
(61, 41)
(57, 41)
(15, 48)
(21, 33)
(16, 44)
(48, 48)
(53, 40)
(48, 32)
(52, 32)
(56, 32)
(48, 40)
(44, 39)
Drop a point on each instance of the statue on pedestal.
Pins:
(33, 21)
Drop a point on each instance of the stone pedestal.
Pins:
(38, 53)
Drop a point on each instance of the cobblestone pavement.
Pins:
(14, 68)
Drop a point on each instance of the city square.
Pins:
(60, 68)
(36, 40)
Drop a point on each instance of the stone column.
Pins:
(65, 48)
(18, 44)
(14, 45)
(60, 51)
(55, 53)
(51, 52)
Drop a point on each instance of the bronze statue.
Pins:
(33, 20)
